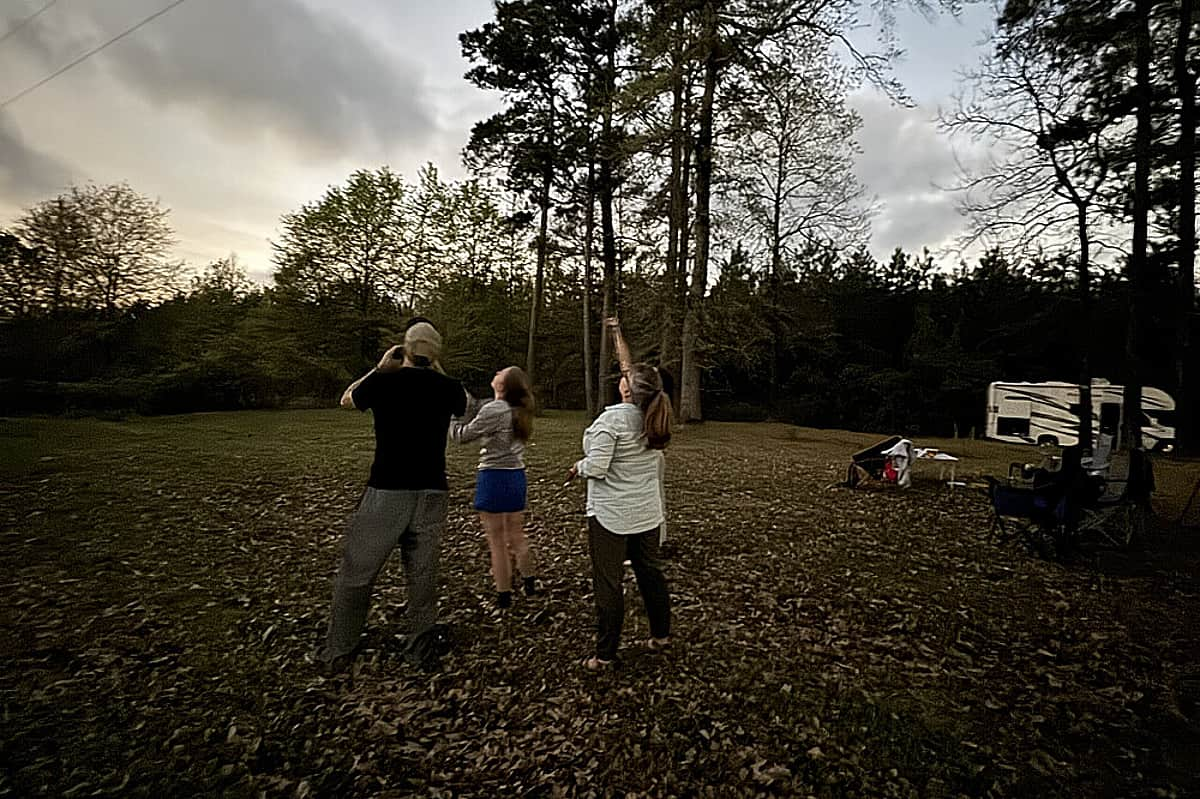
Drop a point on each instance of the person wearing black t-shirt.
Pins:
(405, 501)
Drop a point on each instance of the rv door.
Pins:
(1107, 429)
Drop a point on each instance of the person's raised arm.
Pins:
(619, 345)
(390, 362)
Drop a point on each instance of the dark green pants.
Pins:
(609, 553)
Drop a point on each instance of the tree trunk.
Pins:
(689, 401)
(56, 293)
(535, 307)
(680, 289)
(774, 310)
(608, 239)
(672, 308)
(1141, 215)
(366, 347)
(589, 225)
(1084, 332)
(608, 308)
(60, 270)
(1186, 418)
(364, 291)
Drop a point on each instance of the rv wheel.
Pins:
(1051, 440)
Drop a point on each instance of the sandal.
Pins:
(594, 663)
(658, 644)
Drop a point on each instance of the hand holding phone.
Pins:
(392, 359)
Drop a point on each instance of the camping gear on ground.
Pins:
(888, 461)
(944, 460)
(899, 462)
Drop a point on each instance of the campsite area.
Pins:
(167, 579)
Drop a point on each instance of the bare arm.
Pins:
(348, 394)
(619, 345)
(388, 363)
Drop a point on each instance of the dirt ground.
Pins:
(166, 581)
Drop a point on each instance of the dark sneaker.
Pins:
(426, 650)
(441, 638)
(341, 664)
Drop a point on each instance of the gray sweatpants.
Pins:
(413, 520)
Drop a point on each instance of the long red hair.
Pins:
(518, 393)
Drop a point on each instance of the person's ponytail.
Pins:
(646, 386)
(657, 425)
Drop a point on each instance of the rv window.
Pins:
(1014, 406)
(1163, 418)
(1012, 426)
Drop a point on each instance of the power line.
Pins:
(26, 21)
(88, 54)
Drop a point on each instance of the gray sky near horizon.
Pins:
(234, 112)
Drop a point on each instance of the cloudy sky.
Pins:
(233, 112)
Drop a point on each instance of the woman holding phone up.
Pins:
(622, 463)
(504, 424)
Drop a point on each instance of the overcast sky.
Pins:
(233, 112)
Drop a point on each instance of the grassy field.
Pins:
(166, 580)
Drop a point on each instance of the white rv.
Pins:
(1036, 413)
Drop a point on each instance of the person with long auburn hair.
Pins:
(504, 424)
(623, 465)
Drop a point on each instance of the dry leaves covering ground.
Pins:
(166, 580)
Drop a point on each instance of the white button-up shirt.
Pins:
(624, 475)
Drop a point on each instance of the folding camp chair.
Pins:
(1055, 511)
(1034, 505)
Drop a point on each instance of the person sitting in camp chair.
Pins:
(1066, 477)
(888, 461)
(1045, 504)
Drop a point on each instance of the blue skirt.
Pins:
(500, 490)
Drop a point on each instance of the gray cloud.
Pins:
(915, 221)
(50, 39)
(253, 67)
(26, 174)
(232, 113)
(905, 162)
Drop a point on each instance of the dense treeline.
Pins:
(687, 165)
(901, 346)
